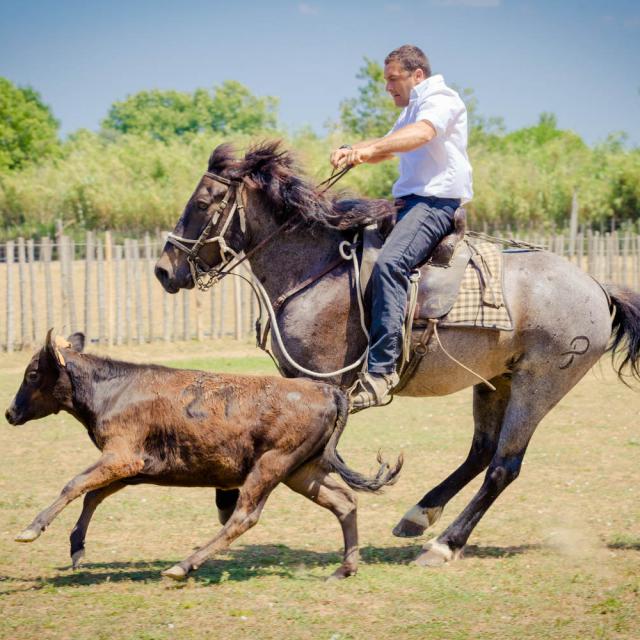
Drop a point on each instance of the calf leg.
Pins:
(488, 412)
(316, 484)
(226, 500)
(108, 469)
(259, 483)
(91, 502)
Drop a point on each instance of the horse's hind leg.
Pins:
(316, 484)
(534, 392)
(91, 502)
(488, 412)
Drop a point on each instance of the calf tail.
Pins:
(625, 346)
(386, 475)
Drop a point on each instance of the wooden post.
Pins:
(237, 300)
(174, 317)
(213, 298)
(48, 280)
(70, 253)
(149, 259)
(35, 312)
(186, 325)
(626, 243)
(102, 315)
(573, 223)
(137, 265)
(10, 311)
(88, 289)
(128, 309)
(119, 284)
(223, 291)
(166, 335)
(108, 288)
(22, 289)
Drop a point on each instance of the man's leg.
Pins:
(423, 223)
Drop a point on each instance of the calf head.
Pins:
(46, 387)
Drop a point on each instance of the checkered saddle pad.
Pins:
(480, 301)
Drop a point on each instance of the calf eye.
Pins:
(32, 376)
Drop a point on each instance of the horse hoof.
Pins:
(435, 554)
(416, 520)
(76, 558)
(408, 529)
(28, 535)
(175, 573)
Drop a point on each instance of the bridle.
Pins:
(221, 216)
(204, 275)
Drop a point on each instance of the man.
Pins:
(430, 136)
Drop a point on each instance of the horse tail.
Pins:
(386, 474)
(625, 346)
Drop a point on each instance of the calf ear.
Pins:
(76, 340)
(53, 346)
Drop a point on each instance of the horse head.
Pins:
(211, 228)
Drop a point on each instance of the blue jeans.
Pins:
(422, 222)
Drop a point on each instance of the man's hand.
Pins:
(344, 157)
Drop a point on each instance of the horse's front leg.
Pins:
(111, 467)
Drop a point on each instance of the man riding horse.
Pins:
(430, 136)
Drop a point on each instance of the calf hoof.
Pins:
(76, 558)
(416, 520)
(341, 573)
(28, 535)
(436, 554)
(176, 573)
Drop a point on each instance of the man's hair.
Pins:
(411, 58)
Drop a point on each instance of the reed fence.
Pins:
(107, 289)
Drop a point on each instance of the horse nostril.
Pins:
(162, 275)
(9, 416)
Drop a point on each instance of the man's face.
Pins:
(399, 82)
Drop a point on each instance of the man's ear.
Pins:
(53, 346)
(76, 341)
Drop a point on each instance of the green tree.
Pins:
(28, 130)
(372, 113)
(229, 108)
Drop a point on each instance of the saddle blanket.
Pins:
(480, 301)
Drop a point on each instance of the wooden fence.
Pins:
(107, 289)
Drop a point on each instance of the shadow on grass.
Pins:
(238, 565)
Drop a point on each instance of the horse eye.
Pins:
(32, 376)
(202, 204)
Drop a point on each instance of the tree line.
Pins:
(137, 171)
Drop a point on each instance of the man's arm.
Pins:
(404, 139)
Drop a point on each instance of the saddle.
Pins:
(440, 276)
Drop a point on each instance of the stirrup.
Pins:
(364, 394)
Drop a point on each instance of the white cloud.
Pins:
(308, 9)
(480, 4)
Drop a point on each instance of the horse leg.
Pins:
(315, 483)
(534, 392)
(91, 502)
(226, 500)
(488, 411)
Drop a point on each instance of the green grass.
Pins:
(558, 555)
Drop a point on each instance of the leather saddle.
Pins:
(440, 276)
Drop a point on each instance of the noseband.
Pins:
(220, 219)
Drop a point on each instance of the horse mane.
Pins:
(274, 172)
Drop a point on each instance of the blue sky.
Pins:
(577, 59)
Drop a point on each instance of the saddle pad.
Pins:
(480, 302)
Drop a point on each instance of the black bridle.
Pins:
(220, 218)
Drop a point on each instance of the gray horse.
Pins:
(564, 321)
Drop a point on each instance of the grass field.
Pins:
(558, 556)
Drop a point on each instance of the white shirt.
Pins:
(440, 167)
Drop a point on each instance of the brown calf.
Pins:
(190, 428)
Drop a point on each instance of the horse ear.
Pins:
(53, 346)
(77, 340)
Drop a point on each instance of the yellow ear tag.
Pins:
(60, 343)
